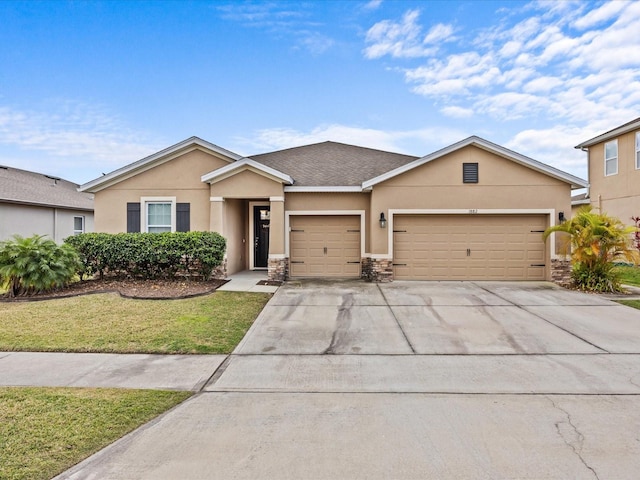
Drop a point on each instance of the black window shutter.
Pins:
(183, 214)
(133, 217)
(469, 173)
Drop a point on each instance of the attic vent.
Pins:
(469, 173)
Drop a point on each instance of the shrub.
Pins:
(35, 264)
(597, 241)
(149, 255)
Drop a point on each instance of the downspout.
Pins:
(586, 149)
(55, 225)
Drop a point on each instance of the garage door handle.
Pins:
(468, 252)
(296, 261)
(325, 250)
(399, 264)
(354, 262)
(538, 265)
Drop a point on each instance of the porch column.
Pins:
(276, 227)
(216, 215)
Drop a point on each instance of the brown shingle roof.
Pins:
(21, 186)
(332, 163)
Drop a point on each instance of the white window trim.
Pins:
(78, 232)
(637, 150)
(251, 234)
(616, 157)
(144, 201)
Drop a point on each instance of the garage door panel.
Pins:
(324, 245)
(501, 247)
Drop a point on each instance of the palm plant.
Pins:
(35, 264)
(597, 240)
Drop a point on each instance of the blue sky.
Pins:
(87, 87)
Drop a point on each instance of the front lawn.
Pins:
(630, 303)
(44, 431)
(108, 323)
(629, 275)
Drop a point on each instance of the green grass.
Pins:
(629, 275)
(44, 431)
(108, 323)
(630, 303)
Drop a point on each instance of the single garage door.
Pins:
(469, 247)
(325, 246)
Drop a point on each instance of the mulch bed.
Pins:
(130, 288)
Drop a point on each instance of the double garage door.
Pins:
(469, 247)
(325, 246)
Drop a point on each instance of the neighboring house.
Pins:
(33, 203)
(614, 171)
(473, 210)
(578, 201)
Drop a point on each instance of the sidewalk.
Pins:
(108, 370)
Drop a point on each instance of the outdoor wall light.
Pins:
(561, 217)
(383, 221)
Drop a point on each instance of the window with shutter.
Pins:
(183, 220)
(133, 217)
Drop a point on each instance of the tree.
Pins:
(597, 240)
(35, 264)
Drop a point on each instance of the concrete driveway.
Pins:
(408, 380)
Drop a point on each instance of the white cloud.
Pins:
(457, 112)
(607, 11)
(280, 19)
(459, 74)
(73, 132)
(439, 33)
(565, 63)
(404, 39)
(553, 146)
(542, 85)
(373, 5)
(393, 141)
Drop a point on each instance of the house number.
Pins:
(473, 210)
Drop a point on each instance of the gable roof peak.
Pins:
(494, 148)
(152, 160)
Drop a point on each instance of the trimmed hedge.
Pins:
(149, 255)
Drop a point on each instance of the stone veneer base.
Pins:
(278, 269)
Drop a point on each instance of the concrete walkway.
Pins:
(247, 281)
(409, 380)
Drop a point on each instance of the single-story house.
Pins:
(33, 203)
(614, 171)
(472, 210)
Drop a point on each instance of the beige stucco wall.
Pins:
(333, 202)
(503, 185)
(617, 195)
(28, 220)
(247, 184)
(235, 231)
(179, 177)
